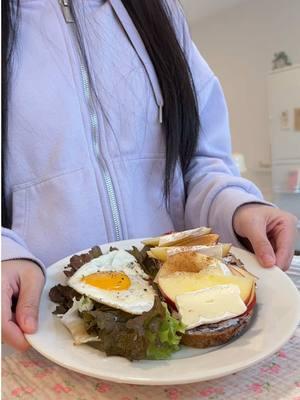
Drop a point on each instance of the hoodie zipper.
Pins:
(86, 85)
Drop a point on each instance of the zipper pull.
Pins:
(66, 10)
(160, 113)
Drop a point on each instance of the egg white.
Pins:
(138, 298)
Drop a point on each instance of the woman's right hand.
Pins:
(22, 280)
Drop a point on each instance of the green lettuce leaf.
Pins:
(152, 335)
(165, 341)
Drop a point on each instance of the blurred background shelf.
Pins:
(284, 128)
(287, 192)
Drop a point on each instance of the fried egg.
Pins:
(117, 280)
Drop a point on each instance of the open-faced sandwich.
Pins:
(141, 304)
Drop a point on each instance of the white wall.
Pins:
(239, 44)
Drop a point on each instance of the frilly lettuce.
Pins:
(152, 335)
(164, 341)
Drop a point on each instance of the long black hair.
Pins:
(153, 21)
(9, 14)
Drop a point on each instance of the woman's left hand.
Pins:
(270, 231)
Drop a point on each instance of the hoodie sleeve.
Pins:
(214, 187)
(14, 248)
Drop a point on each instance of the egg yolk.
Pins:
(108, 280)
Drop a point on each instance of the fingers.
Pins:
(263, 250)
(285, 242)
(250, 222)
(11, 333)
(14, 337)
(269, 230)
(261, 244)
(27, 310)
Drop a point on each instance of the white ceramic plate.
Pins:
(277, 316)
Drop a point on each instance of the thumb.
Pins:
(28, 302)
(262, 247)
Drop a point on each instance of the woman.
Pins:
(116, 129)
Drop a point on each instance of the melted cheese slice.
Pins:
(209, 305)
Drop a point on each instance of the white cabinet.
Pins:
(284, 117)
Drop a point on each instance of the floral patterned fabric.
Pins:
(31, 376)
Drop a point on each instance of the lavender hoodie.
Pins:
(81, 172)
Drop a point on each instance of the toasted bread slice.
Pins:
(161, 253)
(209, 239)
(192, 264)
(185, 262)
(217, 334)
(175, 238)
